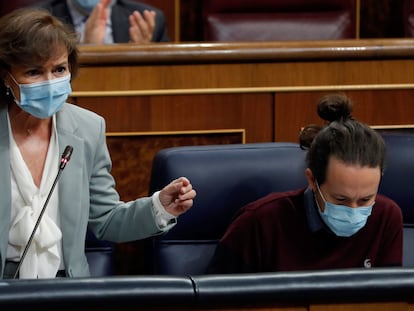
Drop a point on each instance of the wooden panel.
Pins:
(382, 107)
(253, 75)
(251, 112)
(257, 67)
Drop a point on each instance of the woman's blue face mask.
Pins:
(45, 98)
(343, 220)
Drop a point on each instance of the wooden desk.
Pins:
(341, 290)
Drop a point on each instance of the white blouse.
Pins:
(43, 258)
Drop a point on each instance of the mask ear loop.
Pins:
(319, 190)
(320, 193)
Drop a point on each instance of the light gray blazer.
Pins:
(86, 191)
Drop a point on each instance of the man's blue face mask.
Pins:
(86, 5)
(343, 220)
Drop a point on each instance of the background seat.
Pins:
(100, 256)
(268, 20)
(226, 178)
(398, 184)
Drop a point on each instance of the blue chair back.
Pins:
(226, 177)
(100, 256)
(398, 184)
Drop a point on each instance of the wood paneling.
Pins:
(268, 89)
(169, 67)
(187, 113)
(379, 107)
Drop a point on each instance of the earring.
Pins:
(7, 90)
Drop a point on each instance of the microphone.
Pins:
(67, 153)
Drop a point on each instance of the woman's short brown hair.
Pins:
(30, 36)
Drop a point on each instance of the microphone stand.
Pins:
(64, 160)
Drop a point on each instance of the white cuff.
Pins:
(163, 219)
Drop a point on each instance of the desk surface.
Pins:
(373, 289)
(206, 52)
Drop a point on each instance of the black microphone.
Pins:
(67, 153)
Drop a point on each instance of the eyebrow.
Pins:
(346, 197)
(62, 64)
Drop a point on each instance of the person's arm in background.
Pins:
(141, 30)
(142, 27)
(95, 26)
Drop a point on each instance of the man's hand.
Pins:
(95, 26)
(141, 27)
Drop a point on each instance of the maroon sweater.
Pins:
(284, 232)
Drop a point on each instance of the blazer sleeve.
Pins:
(110, 218)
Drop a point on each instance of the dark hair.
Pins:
(31, 36)
(342, 137)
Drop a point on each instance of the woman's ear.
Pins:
(311, 179)
(6, 80)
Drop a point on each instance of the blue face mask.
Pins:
(343, 220)
(43, 99)
(86, 5)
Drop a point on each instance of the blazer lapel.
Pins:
(70, 182)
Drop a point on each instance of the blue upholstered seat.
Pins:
(226, 177)
(100, 256)
(398, 184)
